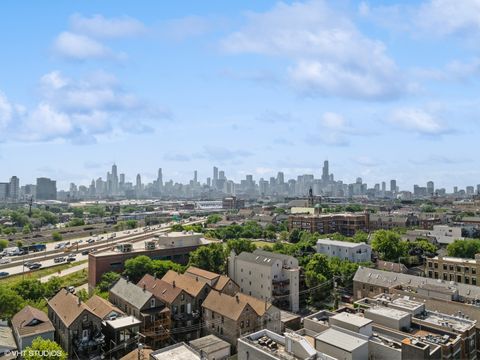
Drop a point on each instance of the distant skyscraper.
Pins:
(195, 178)
(325, 172)
(280, 178)
(393, 186)
(122, 179)
(455, 189)
(384, 186)
(114, 180)
(430, 188)
(14, 188)
(160, 179)
(221, 175)
(209, 181)
(215, 174)
(46, 189)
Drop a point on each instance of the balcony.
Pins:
(280, 282)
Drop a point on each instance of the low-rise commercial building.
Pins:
(173, 246)
(344, 250)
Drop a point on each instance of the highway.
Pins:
(102, 242)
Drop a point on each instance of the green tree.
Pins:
(177, 227)
(10, 302)
(56, 236)
(30, 289)
(138, 266)
(44, 349)
(76, 222)
(210, 257)
(3, 244)
(317, 272)
(240, 245)
(294, 236)
(27, 229)
(389, 245)
(464, 248)
(77, 212)
(82, 294)
(213, 219)
(107, 280)
(132, 224)
(52, 286)
(160, 267)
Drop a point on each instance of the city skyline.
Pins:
(114, 82)
(115, 183)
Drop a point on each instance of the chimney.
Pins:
(196, 278)
(173, 283)
(238, 299)
(144, 287)
(79, 301)
(155, 276)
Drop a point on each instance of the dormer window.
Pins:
(152, 303)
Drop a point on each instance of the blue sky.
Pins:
(382, 89)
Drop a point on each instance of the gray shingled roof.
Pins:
(257, 258)
(131, 293)
(390, 279)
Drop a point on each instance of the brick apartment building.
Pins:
(346, 224)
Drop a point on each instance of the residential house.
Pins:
(180, 304)
(211, 347)
(218, 282)
(78, 329)
(143, 305)
(344, 250)
(230, 317)
(30, 323)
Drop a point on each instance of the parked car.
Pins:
(3, 274)
(35, 266)
(71, 289)
(59, 259)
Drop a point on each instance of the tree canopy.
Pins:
(44, 349)
(464, 248)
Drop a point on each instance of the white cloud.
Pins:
(418, 121)
(335, 130)
(447, 17)
(330, 56)
(97, 26)
(80, 47)
(77, 110)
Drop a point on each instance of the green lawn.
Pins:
(11, 280)
(261, 244)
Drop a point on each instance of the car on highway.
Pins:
(85, 252)
(5, 261)
(90, 241)
(3, 274)
(27, 263)
(34, 266)
(59, 259)
(71, 258)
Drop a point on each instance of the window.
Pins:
(213, 315)
(459, 278)
(248, 323)
(445, 267)
(474, 271)
(436, 265)
(223, 319)
(85, 318)
(467, 280)
(436, 275)
(152, 303)
(241, 325)
(467, 270)
(445, 277)
(182, 297)
(474, 281)
(451, 267)
(458, 269)
(430, 274)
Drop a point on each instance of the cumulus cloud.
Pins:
(84, 39)
(328, 54)
(418, 121)
(80, 47)
(77, 110)
(98, 26)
